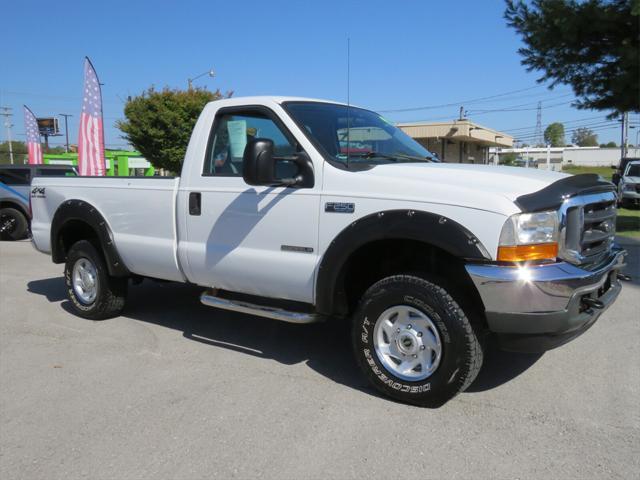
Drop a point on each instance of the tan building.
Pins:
(459, 141)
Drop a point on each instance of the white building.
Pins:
(580, 156)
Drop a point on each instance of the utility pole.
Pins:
(66, 129)
(548, 156)
(538, 134)
(6, 113)
(624, 141)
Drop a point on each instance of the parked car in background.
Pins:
(629, 185)
(15, 183)
(620, 168)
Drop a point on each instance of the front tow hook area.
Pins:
(624, 277)
(593, 303)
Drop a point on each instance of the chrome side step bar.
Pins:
(259, 310)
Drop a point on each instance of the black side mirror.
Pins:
(259, 166)
(615, 178)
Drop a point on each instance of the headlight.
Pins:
(529, 236)
(629, 186)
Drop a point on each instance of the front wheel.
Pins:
(413, 341)
(92, 292)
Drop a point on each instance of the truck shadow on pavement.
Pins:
(323, 347)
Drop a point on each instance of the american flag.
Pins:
(33, 137)
(91, 136)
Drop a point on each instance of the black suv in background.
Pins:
(15, 183)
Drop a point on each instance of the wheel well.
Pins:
(379, 259)
(17, 206)
(71, 232)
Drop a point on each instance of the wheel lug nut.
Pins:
(419, 334)
(415, 356)
(422, 347)
(398, 330)
(409, 326)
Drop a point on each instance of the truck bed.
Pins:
(140, 213)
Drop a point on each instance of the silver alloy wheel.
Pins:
(85, 280)
(407, 343)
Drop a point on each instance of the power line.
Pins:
(453, 104)
(531, 127)
(533, 133)
(591, 123)
(593, 129)
(515, 108)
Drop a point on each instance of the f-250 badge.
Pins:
(339, 207)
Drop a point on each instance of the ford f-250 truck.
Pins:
(300, 210)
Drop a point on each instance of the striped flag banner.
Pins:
(33, 137)
(91, 137)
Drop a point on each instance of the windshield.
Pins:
(634, 170)
(352, 135)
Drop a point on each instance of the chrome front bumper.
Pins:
(538, 307)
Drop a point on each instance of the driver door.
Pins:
(256, 240)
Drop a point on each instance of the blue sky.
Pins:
(403, 55)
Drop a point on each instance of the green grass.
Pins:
(628, 223)
(605, 172)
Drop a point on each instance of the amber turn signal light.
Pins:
(523, 253)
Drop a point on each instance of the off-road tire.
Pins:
(111, 291)
(20, 225)
(462, 352)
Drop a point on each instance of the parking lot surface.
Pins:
(176, 390)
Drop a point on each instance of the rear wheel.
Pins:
(413, 341)
(13, 224)
(92, 292)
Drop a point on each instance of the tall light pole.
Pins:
(6, 113)
(66, 129)
(210, 73)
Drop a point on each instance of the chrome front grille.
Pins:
(587, 228)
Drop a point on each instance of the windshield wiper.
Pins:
(394, 156)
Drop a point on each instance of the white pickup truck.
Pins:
(284, 212)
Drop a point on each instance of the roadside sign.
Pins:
(48, 126)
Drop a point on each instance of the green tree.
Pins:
(159, 123)
(19, 152)
(508, 159)
(609, 145)
(554, 134)
(583, 137)
(591, 45)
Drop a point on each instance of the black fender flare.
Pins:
(81, 211)
(430, 228)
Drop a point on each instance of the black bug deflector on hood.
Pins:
(552, 196)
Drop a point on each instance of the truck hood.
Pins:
(631, 179)
(509, 182)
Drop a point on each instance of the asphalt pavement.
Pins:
(176, 390)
